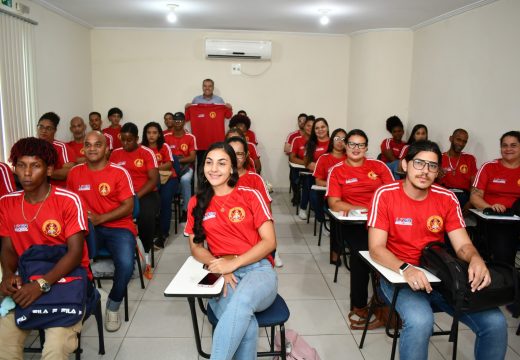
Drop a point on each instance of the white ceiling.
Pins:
(346, 16)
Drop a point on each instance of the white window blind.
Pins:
(17, 81)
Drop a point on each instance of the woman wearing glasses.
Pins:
(497, 186)
(350, 186)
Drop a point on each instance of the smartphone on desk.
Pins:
(210, 279)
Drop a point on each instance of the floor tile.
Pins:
(303, 286)
(316, 317)
(298, 264)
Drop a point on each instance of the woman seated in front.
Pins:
(238, 227)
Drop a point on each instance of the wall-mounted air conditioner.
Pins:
(233, 49)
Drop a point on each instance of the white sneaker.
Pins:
(302, 214)
(277, 260)
(112, 320)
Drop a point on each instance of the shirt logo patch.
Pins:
(350, 181)
(184, 147)
(434, 223)
(139, 162)
(201, 115)
(212, 114)
(499, 181)
(236, 214)
(404, 221)
(85, 187)
(209, 215)
(104, 189)
(372, 175)
(158, 156)
(51, 228)
(463, 169)
(21, 228)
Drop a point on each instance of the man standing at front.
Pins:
(107, 192)
(406, 216)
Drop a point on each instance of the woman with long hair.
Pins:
(238, 228)
(350, 186)
(154, 139)
(419, 133)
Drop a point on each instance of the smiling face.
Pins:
(421, 179)
(339, 141)
(321, 130)
(307, 128)
(510, 149)
(95, 147)
(301, 122)
(32, 172)
(217, 167)
(240, 153)
(356, 146)
(207, 88)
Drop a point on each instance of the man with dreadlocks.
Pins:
(45, 215)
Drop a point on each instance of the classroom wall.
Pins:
(63, 67)
(149, 72)
(379, 82)
(466, 74)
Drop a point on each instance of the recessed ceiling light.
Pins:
(172, 16)
(324, 19)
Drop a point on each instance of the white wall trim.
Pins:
(360, 32)
(63, 13)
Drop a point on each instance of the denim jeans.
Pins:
(307, 182)
(236, 333)
(415, 309)
(186, 188)
(120, 243)
(394, 166)
(166, 192)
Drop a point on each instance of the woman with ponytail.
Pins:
(238, 227)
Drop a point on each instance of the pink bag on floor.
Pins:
(297, 347)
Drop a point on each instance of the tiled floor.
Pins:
(160, 327)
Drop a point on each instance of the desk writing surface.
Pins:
(480, 214)
(186, 281)
(340, 217)
(318, 188)
(391, 275)
(296, 166)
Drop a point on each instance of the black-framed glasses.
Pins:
(45, 128)
(419, 164)
(354, 145)
(338, 138)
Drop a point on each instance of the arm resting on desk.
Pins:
(336, 204)
(477, 200)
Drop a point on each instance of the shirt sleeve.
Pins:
(385, 145)
(252, 151)
(259, 209)
(482, 178)
(454, 218)
(319, 170)
(190, 221)
(151, 161)
(472, 166)
(71, 155)
(378, 212)
(192, 143)
(74, 216)
(333, 186)
(124, 187)
(294, 146)
(4, 219)
(385, 173)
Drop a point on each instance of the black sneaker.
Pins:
(159, 243)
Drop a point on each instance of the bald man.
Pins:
(78, 128)
(107, 192)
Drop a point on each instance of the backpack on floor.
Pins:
(296, 346)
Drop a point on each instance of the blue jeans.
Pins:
(166, 192)
(186, 188)
(120, 243)
(236, 333)
(307, 182)
(394, 167)
(415, 309)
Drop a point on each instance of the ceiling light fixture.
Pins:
(172, 16)
(324, 19)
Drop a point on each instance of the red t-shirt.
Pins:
(324, 163)
(501, 185)
(321, 148)
(137, 163)
(254, 181)
(458, 171)
(7, 184)
(391, 144)
(235, 230)
(110, 141)
(290, 138)
(253, 152)
(298, 147)
(65, 155)
(116, 135)
(404, 152)
(167, 132)
(249, 165)
(164, 155)
(61, 216)
(77, 149)
(251, 137)
(181, 146)
(207, 123)
(103, 190)
(356, 185)
(412, 224)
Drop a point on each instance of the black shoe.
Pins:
(159, 243)
(184, 217)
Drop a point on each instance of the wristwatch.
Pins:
(403, 267)
(45, 287)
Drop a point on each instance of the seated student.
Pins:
(391, 147)
(297, 156)
(458, 168)
(47, 126)
(497, 186)
(107, 192)
(7, 183)
(418, 133)
(290, 138)
(168, 122)
(184, 146)
(114, 116)
(238, 228)
(47, 215)
(249, 163)
(153, 138)
(95, 122)
(249, 134)
(403, 218)
(77, 129)
(350, 186)
(242, 122)
(141, 164)
(314, 148)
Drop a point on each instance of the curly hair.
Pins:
(32, 146)
(392, 122)
(240, 119)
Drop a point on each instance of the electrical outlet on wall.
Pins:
(236, 69)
